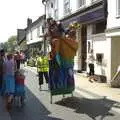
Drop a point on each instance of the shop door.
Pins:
(83, 47)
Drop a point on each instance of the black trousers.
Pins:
(41, 76)
(18, 64)
(91, 69)
(1, 81)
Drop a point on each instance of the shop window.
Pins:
(99, 27)
(99, 57)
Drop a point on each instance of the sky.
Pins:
(14, 14)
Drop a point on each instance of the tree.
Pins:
(11, 44)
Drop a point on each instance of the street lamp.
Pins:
(44, 2)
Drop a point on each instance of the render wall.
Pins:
(115, 53)
(99, 45)
(112, 20)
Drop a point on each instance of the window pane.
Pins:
(56, 14)
(81, 2)
(99, 27)
(66, 6)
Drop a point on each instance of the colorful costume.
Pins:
(61, 66)
(8, 78)
(19, 85)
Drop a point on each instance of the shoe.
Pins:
(91, 81)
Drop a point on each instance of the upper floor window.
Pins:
(39, 31)
(56, 13)
(82, 3)
(56, 9)
(118, 8)
(99, 27)
(94, 0)
(66, 6)
(27, 37)
(31, 34)
(51, 5)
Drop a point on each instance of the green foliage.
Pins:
(10, 45)
(31, 62)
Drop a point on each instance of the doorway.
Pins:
(83, 47)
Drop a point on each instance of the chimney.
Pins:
(29, 22)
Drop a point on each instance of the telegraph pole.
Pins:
(44, 2)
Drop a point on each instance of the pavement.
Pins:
(82, 84)
(95, 89)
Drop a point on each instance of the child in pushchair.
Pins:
(19, 88)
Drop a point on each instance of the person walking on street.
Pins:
(1, 68)
(18, 59)
(42, 68)
(9, 80)
(91, 60)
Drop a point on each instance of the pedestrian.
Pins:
(22, 55)
(17, 59)
(42, 68)
(20, 86)
(9, 80)
(91, 60)
(1, 67)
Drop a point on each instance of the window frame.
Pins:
(66, 11)
(82, 5)
(56, 14)
(56, 9)
(31, 34)
(39, 31)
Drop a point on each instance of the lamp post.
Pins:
(44, 2)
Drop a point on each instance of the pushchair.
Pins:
(19, 95)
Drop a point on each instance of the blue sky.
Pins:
(14, 14)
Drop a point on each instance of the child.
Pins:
(19, 86)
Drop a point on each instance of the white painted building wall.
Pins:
(98, 44)
(113, 20)
(74, 6)
(113, 38)
(32, 34)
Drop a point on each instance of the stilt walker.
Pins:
(63, 50)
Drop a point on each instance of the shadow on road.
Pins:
(33, 109)
(92, 107)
